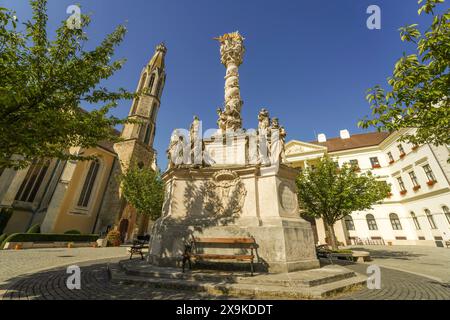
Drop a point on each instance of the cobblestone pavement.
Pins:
(399, 285)
(18, 262)
(432, 262)
(95, 284)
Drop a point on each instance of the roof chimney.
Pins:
(321, 137)
(344, 134)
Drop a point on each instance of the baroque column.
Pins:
(231, 52)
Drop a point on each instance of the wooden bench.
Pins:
(447, 244)
(192, 251)
(138, 245)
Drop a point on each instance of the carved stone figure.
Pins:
(222, 121)
(231, 52)
(175, 151)
(277, 142)
(195, 142)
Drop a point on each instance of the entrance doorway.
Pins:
(123, 229)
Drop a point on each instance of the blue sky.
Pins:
(309, 62)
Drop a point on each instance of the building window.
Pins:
(151, 82)
(89, 183)
(153, 113)
(429, 173)
(430, 219)
(349, 223)
(158, 90)
(33, 180)
(354, 164)
(135, 105)
(414, 181)
(371, 223)
(446, 213)
(375, 163)
(391, 158)
(401, 184)
(416, 221)
(141, 85)
(401, 150)
(147, 134)
(395, 221)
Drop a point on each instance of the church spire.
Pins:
(146, 105)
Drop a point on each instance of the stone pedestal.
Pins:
(239, 201)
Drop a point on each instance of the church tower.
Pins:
(138, 137)
(136, 147)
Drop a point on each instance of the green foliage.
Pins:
(113, 238)
(331, 193)
(35, 229)
(5, 215)
(144, 190)
(2, 239)
(44, 237)
(72, 232)
(43, 82)
(418, 96)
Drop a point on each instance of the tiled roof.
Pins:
(355, 141)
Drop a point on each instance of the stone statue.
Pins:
(175, 150)
(222, 121)
(195, 141)
(231, 53)
(263, 136)
(278, 135)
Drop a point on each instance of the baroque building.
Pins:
(85, 195)
(417, 211)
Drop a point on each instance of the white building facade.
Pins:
(416, 213)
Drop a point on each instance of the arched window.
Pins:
(158, 90)
(89, 183)
(151, 82)
(147, 134)
(135, 105)
(141, 85)
(33, 180)
(371, 223)
(416, 221)
(430, 219)
(395, 221)
(446, 213)
(349, 223)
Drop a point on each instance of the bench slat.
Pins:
(223, 256)
(225, 240)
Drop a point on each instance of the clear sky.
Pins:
(309, 62)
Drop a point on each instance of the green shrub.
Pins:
(2, 239)
(51, 237)
(5, 215)
(35, 229)
(73, 231)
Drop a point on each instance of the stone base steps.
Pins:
(310, 284)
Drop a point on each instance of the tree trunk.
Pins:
(330, 229)
(143, 224)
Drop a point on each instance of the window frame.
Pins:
(32, 182)
(81, 208)
(375, 162)
(430, 219)
(415, 220)
(429, 173)
(395, 221)
(371, 222)
(349, 223)
(446, 211)
(401, 184)
(413, 177)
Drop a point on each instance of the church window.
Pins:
(152, 81)
(158, 90)
(135, 105)
(395, 221)
(147, 134)
(144, 77)
(88, 185)
(33, 180)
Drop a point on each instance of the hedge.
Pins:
(35, 229)
(73, 231)
(5, 215)
(51, 237)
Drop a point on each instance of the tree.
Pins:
(420, 85)
(144, 190)
(42, 84)
(331, 193)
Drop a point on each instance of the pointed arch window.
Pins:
(135, 105)
(147, 134)
(151, 82)
(144, 77)
(33, 180)
(89, 183)
(371, 222)
(395, 221)
(158, 90)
